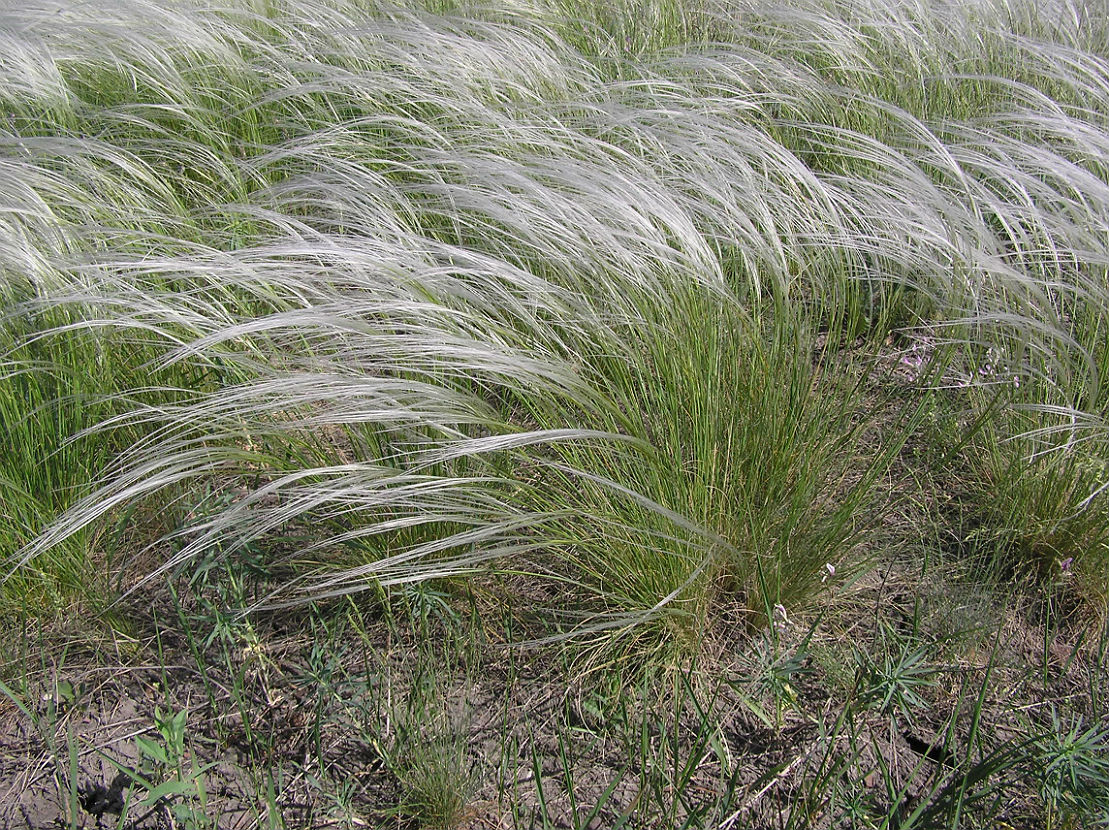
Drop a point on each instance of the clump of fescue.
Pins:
(512, 295)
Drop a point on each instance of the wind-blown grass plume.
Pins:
(437, 291)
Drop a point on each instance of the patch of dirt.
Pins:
(324, 718)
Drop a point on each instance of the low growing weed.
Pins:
(166, 779)
(1070, 763)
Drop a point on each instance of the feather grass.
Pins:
(527, 283)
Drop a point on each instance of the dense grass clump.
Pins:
(539, 283)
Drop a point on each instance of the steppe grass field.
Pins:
(554, 414)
